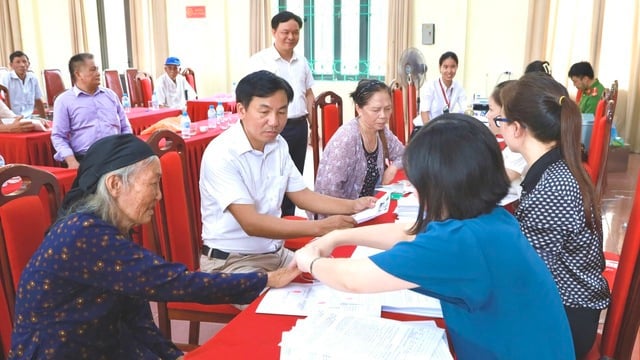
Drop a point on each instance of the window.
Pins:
(342, 39)
(115, 34)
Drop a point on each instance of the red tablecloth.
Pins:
(142, 118)
(33, 148)
(197, 109)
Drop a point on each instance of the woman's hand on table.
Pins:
(389, 174)
(282, 277)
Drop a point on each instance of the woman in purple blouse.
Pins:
(363, 153)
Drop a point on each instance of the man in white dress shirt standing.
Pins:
(282, 60)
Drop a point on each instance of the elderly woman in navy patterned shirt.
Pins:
(363, 153)
(85, 292)
(558, 210)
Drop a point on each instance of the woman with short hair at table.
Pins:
(85, 292)
(363, 153)
(558, 210)
(498, 298)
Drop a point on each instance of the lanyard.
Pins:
(444, 94)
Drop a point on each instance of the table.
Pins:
(142, 118)
(32, 148)
(197, 109)
(256, 336)
(35, 148)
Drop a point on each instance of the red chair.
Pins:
(623, 316)
(330, 105)
(600, 137)
(5, 324)
(133, 87)
(4, 96)
(23, 222)
(53, 84)
(397, 123)
(191, 78)
(175, 231)
(145, 83)
(112, 81)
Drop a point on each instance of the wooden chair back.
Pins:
(174, 226)
(133, 87)
(53, 83)
(325, 121)
(145, 83)
(191, 78)
(112, 81)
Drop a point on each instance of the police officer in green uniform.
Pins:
(581, 74)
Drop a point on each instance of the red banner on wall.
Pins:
(194, 12)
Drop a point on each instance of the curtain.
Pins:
(149, 37)
(79, 42)
(399, 38)
(537, 30)
(10, 35)
(260, 25)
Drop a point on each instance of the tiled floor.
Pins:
(616, 202)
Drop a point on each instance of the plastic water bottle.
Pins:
(2, 163)
(212, 120)
(185, 125)
(220, 116)
(126, 104)
(154, 101)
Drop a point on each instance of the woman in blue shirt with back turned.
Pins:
(498, 298)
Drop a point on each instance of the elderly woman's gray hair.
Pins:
(102, 203)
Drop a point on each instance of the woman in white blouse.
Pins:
(444, 94)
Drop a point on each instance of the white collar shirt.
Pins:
(171, 93)
(297, 73)
(232, 172)
(23, 94)
(432, 99)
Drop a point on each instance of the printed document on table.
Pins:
(340, 336)
(305, 299)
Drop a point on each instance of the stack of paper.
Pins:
(407, 209)
(308, 299)
(335, 336)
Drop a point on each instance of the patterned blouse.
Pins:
(84, 295)
(372, 175)
(343, 166)
(551, 215)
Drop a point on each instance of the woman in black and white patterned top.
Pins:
(558, 210)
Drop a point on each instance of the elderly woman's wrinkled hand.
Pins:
(282, 277)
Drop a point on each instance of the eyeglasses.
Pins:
(499, 119)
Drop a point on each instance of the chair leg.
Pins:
(194, 332)
(164, 323)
